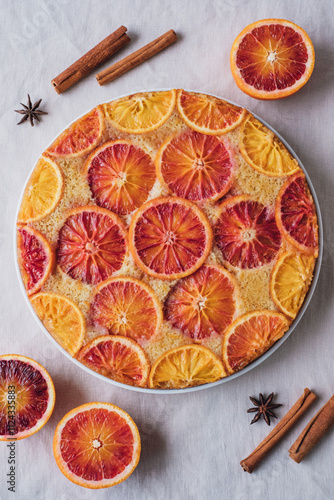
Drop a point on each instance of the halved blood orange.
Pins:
(195, 166)
(169, 237)
(246, 232)
(272, 58)
(208, 114)
(296, 216)
(96, 445)
(36, 259)
(186, 366)
(119, 358)
(27, 397)
(92, 244)
(126, 306)
(120, 176)
(81, 137)
(250, 336)
(141, 112)
(204, 303)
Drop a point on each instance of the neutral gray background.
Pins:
(191, 444)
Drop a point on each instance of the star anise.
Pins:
(31, 111)
(263, 407)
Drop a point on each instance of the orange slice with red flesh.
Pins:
(27, 397)
(96, 445)
(126, 306)
(92, 244)
(81, 137)
(203, 304)
(35, 258)
(296, 215)
(120, 176)
(272, 58)
(116, 357)
(195, 166)
(246, 233)
(169, 237)
(250, 336)
(207, 114)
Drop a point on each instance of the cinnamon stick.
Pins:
(313, 432)
(136, 58)
(283, 426)
(93, 58)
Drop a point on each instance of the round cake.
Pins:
(167, 239)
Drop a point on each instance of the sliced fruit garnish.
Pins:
(169, 237)
(204, 303)
(120, 176)
(141, 112)
(118, 358)
(35, 258)
(290, 281)
(196, 166)
(81, 137)
(27, 397)
(272, 58)
(296, 216)
(92, 244)
(250, 336)
(62, 318)
(208, 114)
(43, 191)
(186, 366)
(126, 306)
(246, 233)
(96, 445)
(263, 150)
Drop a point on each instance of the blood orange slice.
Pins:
(250, 336)
(195, 166)
(118, 358)
(92, 244)
(208, 114)
(120, 176)
(246, 233)
(35, 257)
(27, 397)
(169, 237)
(96, 445)
(126, 306)
(81, 137)
(296, 216)
(204, 303)
(272, 58)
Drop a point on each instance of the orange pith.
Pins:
(118, 358)
(169, 237)
(92, 244)
(126, 306)
(204, 303)
(96, 445)
(196, 166)
(27, 397)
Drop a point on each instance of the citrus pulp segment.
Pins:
(169, 237)
(117, 357)
(96, 445)
(27, 397)
(120, 176)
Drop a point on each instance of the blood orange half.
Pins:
(170, 237)
(246, 233)
(96, 445)
(27, 397)
(120, 176)
(92, 244)
(195, 166)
